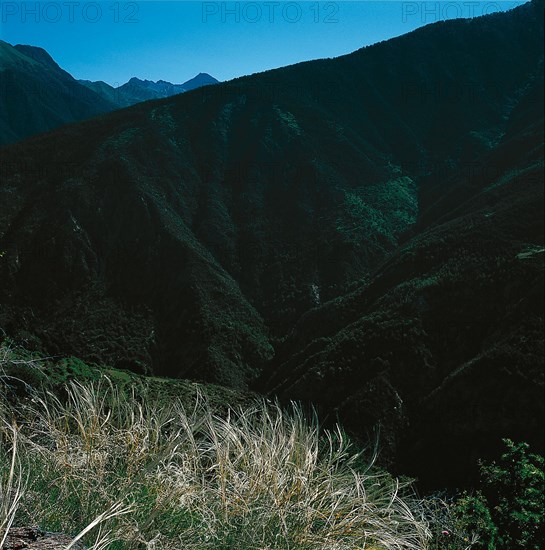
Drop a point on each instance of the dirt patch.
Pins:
(33, 539)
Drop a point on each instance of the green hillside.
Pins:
(364, 233)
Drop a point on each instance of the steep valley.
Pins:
(362, 233)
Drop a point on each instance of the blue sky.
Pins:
(175, 40)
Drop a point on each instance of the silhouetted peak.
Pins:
(37, 53)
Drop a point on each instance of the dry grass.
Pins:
(11, 486)
(126, 473)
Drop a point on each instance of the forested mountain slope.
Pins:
(363, 232)
(36, 95)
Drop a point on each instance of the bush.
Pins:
(514, 489)
(472, 516)
(507, 512)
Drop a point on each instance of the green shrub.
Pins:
(514, 488)
(473, 518)
(507, 511)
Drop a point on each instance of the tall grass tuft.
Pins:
(11, 483)
(123, 473)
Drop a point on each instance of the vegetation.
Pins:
(504, 512)
(511, 501)
(116, 470)
(379, 213)
(113, 460)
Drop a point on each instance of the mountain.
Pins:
(364, 233)
(442, 346)
(136, 90)
(104, 90)
(36, 95)
(202, 79)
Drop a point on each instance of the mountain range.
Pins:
(362, 233)
(136, 90)
(36, 95)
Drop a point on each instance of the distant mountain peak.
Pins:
(136, 80)
(202, 79)
(137, 89)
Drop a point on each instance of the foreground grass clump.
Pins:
(126, 473)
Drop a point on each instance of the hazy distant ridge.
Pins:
(136, 90)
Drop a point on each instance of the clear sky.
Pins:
(175, 40)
